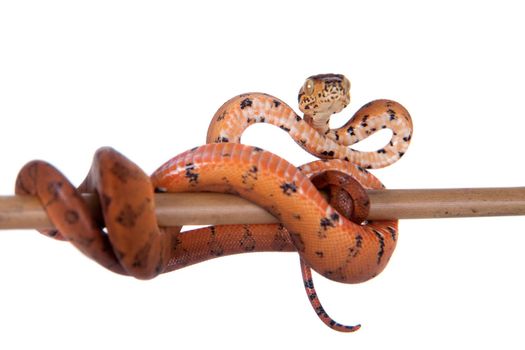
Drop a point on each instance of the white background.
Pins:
(146, 78)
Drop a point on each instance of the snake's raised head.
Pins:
(323, 95)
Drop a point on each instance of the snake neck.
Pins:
(319, 121)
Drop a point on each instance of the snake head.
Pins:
(324, 94)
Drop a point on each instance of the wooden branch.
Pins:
(175, 209)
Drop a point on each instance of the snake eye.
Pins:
(308, 86)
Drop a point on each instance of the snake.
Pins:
(331, 237)
(319, 98)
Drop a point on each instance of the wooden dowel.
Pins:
(447, 203)
(174, 209)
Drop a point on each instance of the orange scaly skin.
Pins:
(337, 248)
(320, 97)
(133, 245)
(329, 94)
(332, 245)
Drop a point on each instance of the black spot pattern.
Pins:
(215, 248)
(249, 178)
(289, 188)
(246, 103)
(326, 223)
(127, 217)
(221, 117)
(222, 139)
(309, 283)
(122, 172)
(320, 311)
(328, 153)
(393, 233)
(392, 113)
(381, 241)
(354, 251)
(247, 241)
(192, 176)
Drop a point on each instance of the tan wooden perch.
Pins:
(175, 209)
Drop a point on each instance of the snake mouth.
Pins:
(326, 104)
(308, 105)
(323, 106)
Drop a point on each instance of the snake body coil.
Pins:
(329, 237)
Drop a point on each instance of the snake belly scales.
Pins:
(338, 248)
